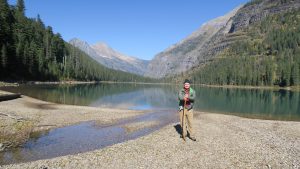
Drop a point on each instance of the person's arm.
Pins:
(180, 95)
(192, 95)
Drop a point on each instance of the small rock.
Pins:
(43, 167)
(2, 147)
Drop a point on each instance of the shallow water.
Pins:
(85, 137)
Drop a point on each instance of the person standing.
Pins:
(186, 98)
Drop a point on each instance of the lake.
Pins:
(251, 103)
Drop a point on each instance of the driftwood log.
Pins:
(9, 96)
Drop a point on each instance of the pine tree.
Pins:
(6, 35)
(4, 57)
(269, 72)
(40, 22)
(21, 7)
(295, 74)
(5, 19)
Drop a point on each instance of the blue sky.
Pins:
(140, 28)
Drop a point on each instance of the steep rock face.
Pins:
(110, 58)
(202, 47)
(181, 56)
(250, 14)
(245, 16)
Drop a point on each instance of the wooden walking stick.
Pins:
(183, 121)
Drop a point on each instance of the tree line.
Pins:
(32, 51)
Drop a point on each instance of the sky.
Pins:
(139, 28)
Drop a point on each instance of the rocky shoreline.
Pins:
(23, 116)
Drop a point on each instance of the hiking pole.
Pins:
(183, 121)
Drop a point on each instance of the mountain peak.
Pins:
(111, 58)
(101, 45)
(104, 50)
(78, 41)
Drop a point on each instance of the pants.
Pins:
(186, 122)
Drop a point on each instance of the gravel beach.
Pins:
(22, 116)
(223, 141)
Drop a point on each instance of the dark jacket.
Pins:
(192, 97)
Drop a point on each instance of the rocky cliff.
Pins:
(183, 55)
(249, 14)
(213, 37)
(110, 58)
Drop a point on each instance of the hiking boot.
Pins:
(182, 138)
(193, 138)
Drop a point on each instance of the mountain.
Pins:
(262, 47)
(258, 46)
(111, 58)
(184, 55)
(215, 37)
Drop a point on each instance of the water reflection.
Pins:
(85, 137)
(266, 104)
(253, 103)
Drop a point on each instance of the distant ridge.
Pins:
(111, 58)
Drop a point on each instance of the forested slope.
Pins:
(32, 51)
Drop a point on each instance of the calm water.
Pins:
(161, 99)
(84, 137)
(252, 103)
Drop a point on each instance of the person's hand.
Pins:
(186, 99)
(186, 95)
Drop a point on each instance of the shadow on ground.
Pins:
(178, 129)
